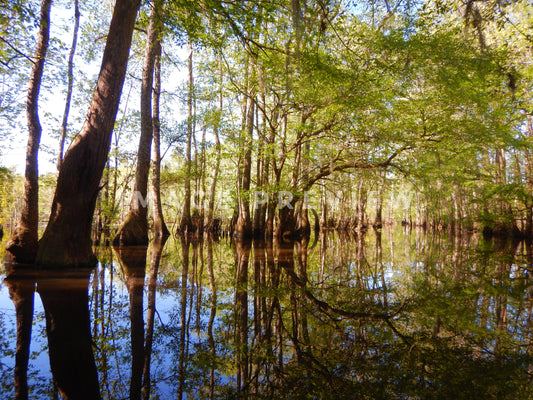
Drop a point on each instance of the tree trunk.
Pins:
(323, 209)
(67, 238)
(361, 205)
(134, 229)
(212, 227)
(378, 220)
(200, 187)
(186, 222)
(302, 218)
(262, 163)
(243, 227)
(160, 228)
(70, 75)
(22, 245)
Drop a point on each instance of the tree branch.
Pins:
(328, 168)
(17, 50)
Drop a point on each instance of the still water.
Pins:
(385, 315)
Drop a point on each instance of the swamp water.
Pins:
(386, 315)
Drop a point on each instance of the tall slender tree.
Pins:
(70, 82)
(22, 245)
(134, 229)
(160, 228)
(186, 221)
(216, 170)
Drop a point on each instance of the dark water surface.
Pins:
(385, 315)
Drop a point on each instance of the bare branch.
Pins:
(17, 50)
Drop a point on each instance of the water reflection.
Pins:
(376, 315)
(21, 292)
(64, 296)
(133, 262)
(157, 250)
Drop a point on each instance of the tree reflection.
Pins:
(64, 295)
(360, 316)
(242, 255)
(212, 314)
(185, 245)
(21, 291)
(133, 261)
(157, 250)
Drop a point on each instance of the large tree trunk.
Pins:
(67, 238)
(22, 245)
(134, 229)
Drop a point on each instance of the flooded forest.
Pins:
(266, 199)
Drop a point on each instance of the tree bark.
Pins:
(67, 238)
(134, 229)
(22, 245)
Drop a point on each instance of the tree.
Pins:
(186, 221)
(211, 224)
(134, 229)
(160, 228)
(67, 238)
(22, 245)
(70, 75)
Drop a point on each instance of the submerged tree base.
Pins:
(132, 232)
(61, 250)
(22, 246)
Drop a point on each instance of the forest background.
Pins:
(265, 113)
